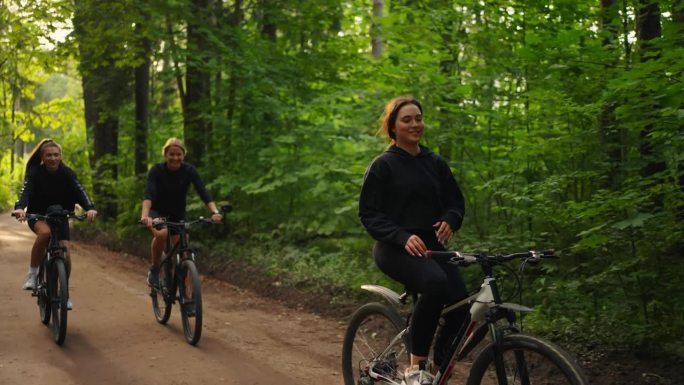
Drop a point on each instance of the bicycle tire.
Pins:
(59, 295)
(162, 295)
(190, 301)
(370, 331)
(42, 295)
(528, 360)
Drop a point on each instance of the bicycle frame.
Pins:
(485, 308)
(179, 251)
(54, 248)
(51, 273)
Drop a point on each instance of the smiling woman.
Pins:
(48, 181)
(409, 127)
(166, 196)
(409, 203)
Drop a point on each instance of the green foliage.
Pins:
(562, 133)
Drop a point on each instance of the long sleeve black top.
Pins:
(168, 189)
(43, 188)
(404, 194)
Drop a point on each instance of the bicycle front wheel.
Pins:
(42, 294)
(162, 294)
(190, 296)
(59, 295)
(373, 342)
(526, 360)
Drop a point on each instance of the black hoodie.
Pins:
(43, 188)
(404, 194)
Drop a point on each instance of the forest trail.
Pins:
(113, 337)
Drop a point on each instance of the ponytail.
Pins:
(35, 160)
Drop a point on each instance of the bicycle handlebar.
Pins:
(457, 257)
(159, 223)
(57, 214)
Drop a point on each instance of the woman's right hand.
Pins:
(415, 246)
(147, 221)
(20, 214)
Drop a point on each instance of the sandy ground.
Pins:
(113, 337)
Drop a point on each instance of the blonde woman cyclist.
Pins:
(165, 196)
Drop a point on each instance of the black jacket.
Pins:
(168, 189)
(404, 194)
(43, 188)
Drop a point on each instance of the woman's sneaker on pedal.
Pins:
(31, 279)
(153, 276)
(418, 375)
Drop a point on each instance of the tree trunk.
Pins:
(236, 19)
(105, 87)
(376, 29)
(197, 84)
(678, 18)
(268, 25)
(269, 31)
(611, 135)
(142, 99)
(648, 29)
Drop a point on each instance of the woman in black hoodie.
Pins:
(411, 203)
(48, 181)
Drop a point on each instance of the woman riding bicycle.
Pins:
(48, 181)
(165, 196)
(411, 203)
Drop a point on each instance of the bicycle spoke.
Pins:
(190, 298)
(373, 345)
(528, 360)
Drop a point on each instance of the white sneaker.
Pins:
(30, 283)
(69, 305)
(415, 376)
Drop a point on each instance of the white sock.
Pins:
(33, 270)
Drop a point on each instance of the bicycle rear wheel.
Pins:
(190, 296)
(59, 295)
(527, 360)
(42, 294)
(162, 295)
(373, 342)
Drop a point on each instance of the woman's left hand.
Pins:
(443, 231)
(91, 215)
(216, 217)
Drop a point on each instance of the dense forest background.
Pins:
(561, 119)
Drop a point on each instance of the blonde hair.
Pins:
(173, 142)
(35, 158)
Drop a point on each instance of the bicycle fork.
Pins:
(520, 370)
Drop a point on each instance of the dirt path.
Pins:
(113, 337)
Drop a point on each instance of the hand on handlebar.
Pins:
(91, 215)
(147, 221)
(20, 214)
(216, 217)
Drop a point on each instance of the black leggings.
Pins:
(438, 283)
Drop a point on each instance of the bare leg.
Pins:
(416, 359)
(158, 244)
(42, 231)
(67, 257)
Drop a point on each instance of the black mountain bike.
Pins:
(179, 279)
(52, 284)
(375, 348)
